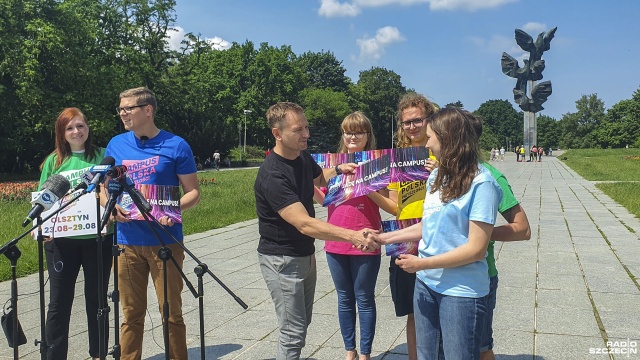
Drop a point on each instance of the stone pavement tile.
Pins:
(551, 266)
(567, 322)
(516, 277)
(511, 344)
(629, 255)
(561, 282)
(215, 349)
(508, 296)
(612, 279)
(564, 347)
(615, 310)
(513, 317)
(575, 299)
(263, 350)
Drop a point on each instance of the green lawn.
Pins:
(620, 168)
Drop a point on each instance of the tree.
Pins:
(578, 128)
(325, 109)
(323, 71)
(548, 131)
(503, 120)
(456, 105)
(380, 90)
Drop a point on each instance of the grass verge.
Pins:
(619, 167)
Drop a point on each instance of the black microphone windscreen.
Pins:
(109, 160)
(57, 184)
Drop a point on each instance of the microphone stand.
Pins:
(103, 310)
(115, 294)
(11, 251)
(165, 254)
(43, 341)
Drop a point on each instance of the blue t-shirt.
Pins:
(159, 161)
(445, 226)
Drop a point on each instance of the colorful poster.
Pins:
(76, 219)
(164, 199)
(398, 249)
(377, 169)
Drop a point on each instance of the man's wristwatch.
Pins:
(338, 172)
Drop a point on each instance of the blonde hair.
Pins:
(277, 112)
(357, 122)
(143, 96)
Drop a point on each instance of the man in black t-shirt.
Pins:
(284, 203)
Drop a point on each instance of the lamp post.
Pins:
(240, 139)
(245, 129)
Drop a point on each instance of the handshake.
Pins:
(367, 240)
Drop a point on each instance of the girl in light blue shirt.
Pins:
(460, 210)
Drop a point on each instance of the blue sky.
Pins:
(448, 50)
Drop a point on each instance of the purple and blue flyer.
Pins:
(377, 168)
(164, 199)
(398, 249)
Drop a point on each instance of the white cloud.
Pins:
(373, 48)
(534, 28)
(218, 43)
(176, 36)
(469, 5)
(336, 8)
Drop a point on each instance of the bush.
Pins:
(253, 153)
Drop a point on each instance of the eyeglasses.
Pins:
(128, 109)
(416, 123)
(358, 135)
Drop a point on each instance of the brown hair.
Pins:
(143, 96)
(354, 122)
(63, 149)
(459, 153)
(410, 100)
(277, 112)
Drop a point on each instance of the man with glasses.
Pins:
(156, 157)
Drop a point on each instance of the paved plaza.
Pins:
(562, 295)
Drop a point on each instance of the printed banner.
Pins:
(79, 218)
(398, 249)
(165, 200)
(377, 169)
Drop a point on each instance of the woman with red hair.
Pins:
(73, 155)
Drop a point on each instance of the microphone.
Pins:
(144, 139)
(94, 175)
(117, 172)
(135, 194)
(114, 188)
(55, 187)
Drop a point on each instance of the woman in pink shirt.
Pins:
(354, 272)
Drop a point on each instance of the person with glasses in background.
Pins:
(405, 201)
(157, 157)
(354, 272)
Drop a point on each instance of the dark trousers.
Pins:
(64, 258)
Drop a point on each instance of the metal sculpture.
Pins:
(531, 72)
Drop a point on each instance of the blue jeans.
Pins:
(355, 279)
(486, 341)
(447, 326)
(291, 280)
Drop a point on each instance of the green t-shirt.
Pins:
(72, 169)
(508, 201)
